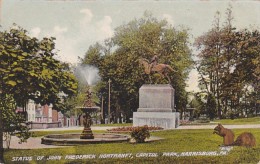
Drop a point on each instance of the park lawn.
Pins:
(175, 141)
(239, 121)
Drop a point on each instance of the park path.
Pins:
(247, 126)
(75, 128)
(35, 142)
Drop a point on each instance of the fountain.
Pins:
(87, 109)
(87, 136)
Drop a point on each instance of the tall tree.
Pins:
(248, 65)
(228, 64)
(209, 65)
(29, 70)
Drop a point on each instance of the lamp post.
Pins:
(102, 109)
(109, 81)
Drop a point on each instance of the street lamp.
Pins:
(109, 81)
(102, 109)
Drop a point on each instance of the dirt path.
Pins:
(32, 143)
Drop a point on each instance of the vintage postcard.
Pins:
(123, 81)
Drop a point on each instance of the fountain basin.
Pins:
(74, 139)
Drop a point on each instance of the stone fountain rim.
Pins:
(77, 141)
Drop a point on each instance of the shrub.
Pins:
(140, 133)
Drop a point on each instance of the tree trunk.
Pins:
(120, 118)
(1, 138)
(218, 82)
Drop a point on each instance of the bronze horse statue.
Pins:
(161, 69)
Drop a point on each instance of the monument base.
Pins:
(165, 120)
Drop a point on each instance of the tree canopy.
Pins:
(29, 70)
(117, 60)
(229, 67)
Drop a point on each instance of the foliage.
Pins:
(139, 134)
(199, 103)
(211, 106)
(13, 123)
(228, 66)
(69, 106)
(117, 60)
(29, 70)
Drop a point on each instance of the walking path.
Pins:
(75, 128)
(247, 126)
(35, 142)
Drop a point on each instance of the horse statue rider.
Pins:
(154, 67)
(154, 62)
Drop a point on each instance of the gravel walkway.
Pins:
(35, 142)
(32, 143)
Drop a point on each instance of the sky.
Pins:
(78, 24)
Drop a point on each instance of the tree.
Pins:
(29, 70)
(211, 106)
(13, 123)
(209, 65)
(248, 65)
(117, 60)
(199, 102)
(228, 64)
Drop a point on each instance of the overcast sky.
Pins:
(79, 24)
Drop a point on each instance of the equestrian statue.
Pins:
(155, 67)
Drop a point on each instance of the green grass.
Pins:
(175, 141)
(239, 121)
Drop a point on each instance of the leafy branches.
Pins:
(28, 70)
(140, 38)
(228, 65)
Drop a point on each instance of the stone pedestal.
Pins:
(156, 107)
(87, 134)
